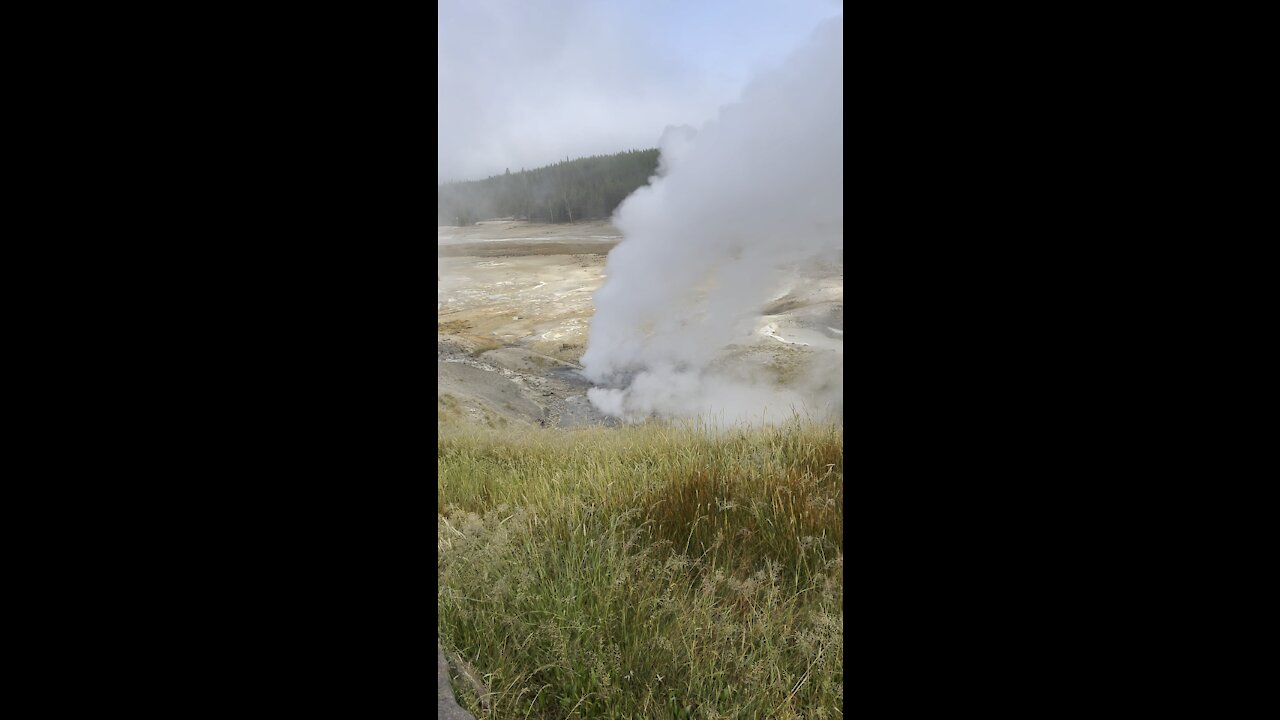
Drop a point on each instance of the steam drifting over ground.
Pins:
(736, 206)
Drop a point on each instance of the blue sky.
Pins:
(524, 83)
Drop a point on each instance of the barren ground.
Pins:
(514, 307)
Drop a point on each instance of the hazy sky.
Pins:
(525, 83)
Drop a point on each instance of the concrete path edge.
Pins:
(447, 707)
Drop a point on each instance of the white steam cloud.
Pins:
(707, 244)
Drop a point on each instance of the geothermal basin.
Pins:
(514, 308)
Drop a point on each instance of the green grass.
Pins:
(650, 571)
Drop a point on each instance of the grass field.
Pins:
(650, 571)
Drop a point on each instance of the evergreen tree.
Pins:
(571, 190)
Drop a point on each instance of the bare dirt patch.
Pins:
(514, 307)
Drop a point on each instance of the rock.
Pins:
(447, 707)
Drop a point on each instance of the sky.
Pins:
(527, 83)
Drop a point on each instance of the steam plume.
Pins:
(706, 244)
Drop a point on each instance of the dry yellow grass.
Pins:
(652, 571)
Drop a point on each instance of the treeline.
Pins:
(583, 189)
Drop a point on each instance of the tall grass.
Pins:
(652, 571)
